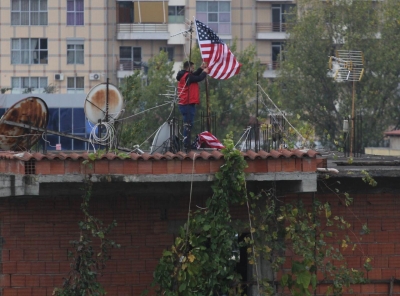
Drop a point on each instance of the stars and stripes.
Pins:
(220, 60)
(207, 140)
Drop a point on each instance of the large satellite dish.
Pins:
(99, 103)
(162, 140)
(31, 111)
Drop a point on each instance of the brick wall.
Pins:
(36, 234)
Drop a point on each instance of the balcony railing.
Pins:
(271, 27)
(140, 28)
(129, 65)
(272, 65)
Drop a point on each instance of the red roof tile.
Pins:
(151, 164)
(250, 154)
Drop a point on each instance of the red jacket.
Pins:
(188, 87)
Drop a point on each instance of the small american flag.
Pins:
(220, 60)
(207, 140)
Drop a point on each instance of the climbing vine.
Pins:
(87, 260)
(204, 256)
(202, 260)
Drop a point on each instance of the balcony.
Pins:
(127, 67)
(271, 68)
(271, 31)
(142, 32)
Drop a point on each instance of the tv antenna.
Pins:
(348, 65)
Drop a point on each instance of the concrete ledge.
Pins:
(23, 185)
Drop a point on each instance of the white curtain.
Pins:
(34, 51)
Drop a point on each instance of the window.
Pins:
(29, 12)
(277, 54)
(23, 85)
(130, 58)
(125, 12)
(75, 13)
(215, 14)
(280, 15)
(176, 14)
(75, 51)
(69, 121)
(29, 51)
(75, 85)
(169, 51)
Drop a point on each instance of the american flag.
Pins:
(207, 140)
(220, 60)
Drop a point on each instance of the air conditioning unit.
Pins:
(94, 76)
(58, 76)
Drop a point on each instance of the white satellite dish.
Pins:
(161, 142)
(96, 103)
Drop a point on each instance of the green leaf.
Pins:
(284, 280)
(304, 279)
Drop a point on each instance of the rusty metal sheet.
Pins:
(32, 111)
(96, 103)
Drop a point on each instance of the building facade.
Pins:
(68, 46)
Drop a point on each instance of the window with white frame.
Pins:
(23, 85)
(75, 51)
(215, 14)
(176, 14)
(29, 12)
(280, 16)
(75, 85)
(169, 51)
(70, 121)
(130, 58)
(29, 51)
(75, 12)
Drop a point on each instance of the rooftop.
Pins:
(26, 173)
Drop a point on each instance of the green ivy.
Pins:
(88, 261)
(202, 260)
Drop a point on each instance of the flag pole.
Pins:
(208, 107)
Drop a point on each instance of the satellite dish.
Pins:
(161, 142)
(31, 111)
(96, 103)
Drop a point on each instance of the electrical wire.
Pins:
(106, 138)
(47, 141)
(283, 115)
(246, 132)
(155, 107)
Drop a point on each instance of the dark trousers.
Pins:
(188, 112)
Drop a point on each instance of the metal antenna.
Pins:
(348, 65)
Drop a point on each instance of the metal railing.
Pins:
(129, 65)
(358, 148)
(139, 28)
(266, 137)
(272, 65)
(270, 27)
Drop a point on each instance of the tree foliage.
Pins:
(203, 258)
(146, 107)
(307, 89)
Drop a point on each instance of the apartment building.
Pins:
(72, 45)
(65, 47)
